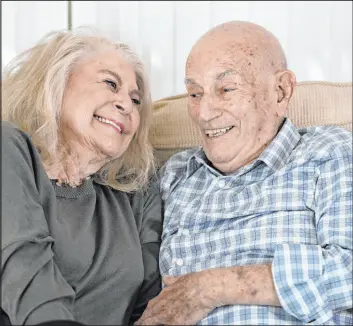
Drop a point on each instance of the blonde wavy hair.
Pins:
(32, 94)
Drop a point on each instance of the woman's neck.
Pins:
(73, 167)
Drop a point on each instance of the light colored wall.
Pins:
(316, 35)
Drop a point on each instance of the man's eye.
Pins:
(111, 83)
(194, 95)
(228, 89)
(136, 101)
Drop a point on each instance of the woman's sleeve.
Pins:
(150, 236)
(33, 289)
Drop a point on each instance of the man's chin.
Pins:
(217, 157)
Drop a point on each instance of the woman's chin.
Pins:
(111, 152)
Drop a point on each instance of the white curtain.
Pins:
(316, 35)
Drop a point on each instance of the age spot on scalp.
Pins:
(253, 292)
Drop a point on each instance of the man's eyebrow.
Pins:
(218, 76)
(189, 81)
(114, 74)
(224, 73)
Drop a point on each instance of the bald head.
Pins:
(239, 89)
(253, 49)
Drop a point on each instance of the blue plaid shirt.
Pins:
(292, 207)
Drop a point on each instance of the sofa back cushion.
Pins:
(312, 103)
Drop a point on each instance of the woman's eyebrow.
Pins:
(114, 74)
(136, 92)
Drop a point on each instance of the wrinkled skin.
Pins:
(189, 298)
(86, 144)
(236, 77)
(180, 302)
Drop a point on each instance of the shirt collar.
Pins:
(275, 155)
(197, 159)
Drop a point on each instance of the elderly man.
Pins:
(258, 222)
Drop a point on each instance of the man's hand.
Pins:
(188, 299)
(184, 301)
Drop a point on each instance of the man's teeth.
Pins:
(108, 122)
(217, 132)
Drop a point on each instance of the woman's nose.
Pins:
(124, 105)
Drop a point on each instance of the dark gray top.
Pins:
(88, 254)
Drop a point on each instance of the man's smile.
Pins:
(211, 133)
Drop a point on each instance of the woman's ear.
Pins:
(285, 83)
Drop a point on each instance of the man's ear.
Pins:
(285, 83)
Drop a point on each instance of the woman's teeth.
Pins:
(108, 122)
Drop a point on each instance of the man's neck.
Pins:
(242, 159)
(231, 167)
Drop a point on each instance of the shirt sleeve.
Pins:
(150, 235)
(314, 282)
(33, 289)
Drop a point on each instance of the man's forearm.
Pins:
(249, 284)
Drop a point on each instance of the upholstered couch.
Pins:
(312, 103)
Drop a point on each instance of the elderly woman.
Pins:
(81, 221)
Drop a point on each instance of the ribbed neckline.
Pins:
(85, 189)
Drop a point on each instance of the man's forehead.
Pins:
(220, 63)
(193, 78)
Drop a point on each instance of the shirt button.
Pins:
(179, 262)
(221, 183)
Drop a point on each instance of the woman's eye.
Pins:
(111, 84)
(136, 101)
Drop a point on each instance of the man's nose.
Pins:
(209, 109)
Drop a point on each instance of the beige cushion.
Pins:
(312, 103)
